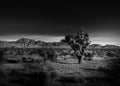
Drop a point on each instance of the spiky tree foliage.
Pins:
(78, 42)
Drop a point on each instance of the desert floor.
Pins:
(67, 72)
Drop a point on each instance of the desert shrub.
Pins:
(88, 56)
(30, 60)
(71, 79)
(37, 60)
(4, 78)
(20, 52)
(48, 67)
(117, 55)
(33, 77)
(72, 54)
(99, 53)
(94, 52)
(12, 61)
(64, 53)
(38, 74)
(23, 59)
(110, 54)
(100, 68)
(41, 53)
(1, 56)
(52, 56)
(48, 54)
(53, 75)
(32, 52)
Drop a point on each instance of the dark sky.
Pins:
(101, 20)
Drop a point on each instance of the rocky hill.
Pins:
(30, 43)
(108, 46)
(93, 46)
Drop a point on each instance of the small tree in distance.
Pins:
(78, 42)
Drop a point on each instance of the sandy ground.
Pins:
(69, 69)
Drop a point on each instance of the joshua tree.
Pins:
(78, 42)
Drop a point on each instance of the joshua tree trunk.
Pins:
(78, 55)
(79, 59)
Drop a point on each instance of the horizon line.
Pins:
(59, 41)
(50, 38)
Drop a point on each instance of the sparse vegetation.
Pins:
(58, 66)
(111, 54)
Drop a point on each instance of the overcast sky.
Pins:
(50, 22)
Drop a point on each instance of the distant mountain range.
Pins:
(31, 43)
(98, 46)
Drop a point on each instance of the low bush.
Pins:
(110, 54)
(88, 56)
